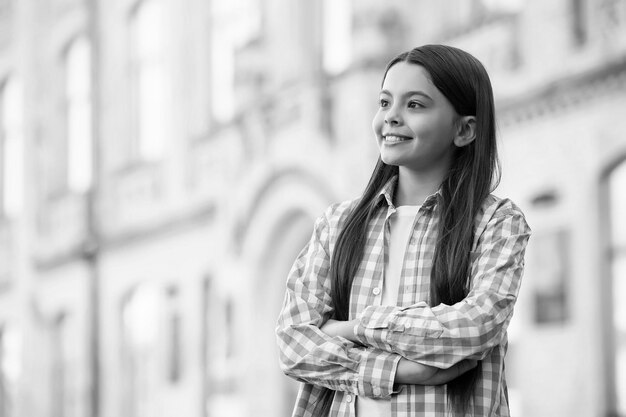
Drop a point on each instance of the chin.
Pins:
(391, 161)
(392, 158)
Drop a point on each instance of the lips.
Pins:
(395, 138)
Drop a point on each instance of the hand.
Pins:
(409, 372)
(344, 329)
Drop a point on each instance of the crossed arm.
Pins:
(407, 371)
(386, 345)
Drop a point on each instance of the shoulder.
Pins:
(335, 215)
(330, 223)
(501, 211)
(495, 206)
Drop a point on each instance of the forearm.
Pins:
(308, 355)
(407, 371)
(413, 373)
(413, 345)
(441, 336)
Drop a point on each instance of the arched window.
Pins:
(221, 354)
(142, 328)
(149, 80)
(10, 368)
(616, 191)
(234, 23)
(337, 35)
(65, 353)
(11, 147)
(503, 6)
(78, 113)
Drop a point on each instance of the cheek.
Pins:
(440, 130)
(377, 124)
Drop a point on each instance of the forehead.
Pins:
(405, 76)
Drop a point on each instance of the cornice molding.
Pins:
(564, 94)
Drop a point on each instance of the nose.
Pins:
(392, 116)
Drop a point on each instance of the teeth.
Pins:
(392, 138)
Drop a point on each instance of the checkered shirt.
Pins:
(440, 336)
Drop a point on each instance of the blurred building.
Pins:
(162, 163)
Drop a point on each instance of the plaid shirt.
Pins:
(440, 336)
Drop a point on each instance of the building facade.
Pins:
(163, 162)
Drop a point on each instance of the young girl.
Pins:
(399, 304)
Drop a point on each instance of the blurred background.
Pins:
(162, 163)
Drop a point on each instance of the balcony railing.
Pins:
(134, 198)
(214, 164)
(62, 226)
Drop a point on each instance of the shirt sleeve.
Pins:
(309, 355)
(443, 335)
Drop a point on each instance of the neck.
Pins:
(414, 187)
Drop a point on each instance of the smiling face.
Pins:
(415, 124)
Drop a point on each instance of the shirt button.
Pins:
(376, 291)
(349, 398)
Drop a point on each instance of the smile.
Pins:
(395, 139)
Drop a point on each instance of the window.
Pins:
(617, 260)
(222, 398)
(504, 6)
(235, 23)
(11, 143)
(6, 7)
(57, 382)
(64, 351)
(149, 80)
(337, 35)
(550, 252)
(612, 17)
(142, 314)
(174, 323)
(9, 369)
(218, 320)
(579, 27)
(78, 115)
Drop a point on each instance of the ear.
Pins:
(466, 131)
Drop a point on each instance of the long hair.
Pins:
(473, 174)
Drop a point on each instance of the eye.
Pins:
(383, 103)
(414, 104)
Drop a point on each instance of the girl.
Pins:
(399, 304)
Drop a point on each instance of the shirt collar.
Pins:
(389, 190)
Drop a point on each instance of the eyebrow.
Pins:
(409, 93)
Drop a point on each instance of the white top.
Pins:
(400, 227)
